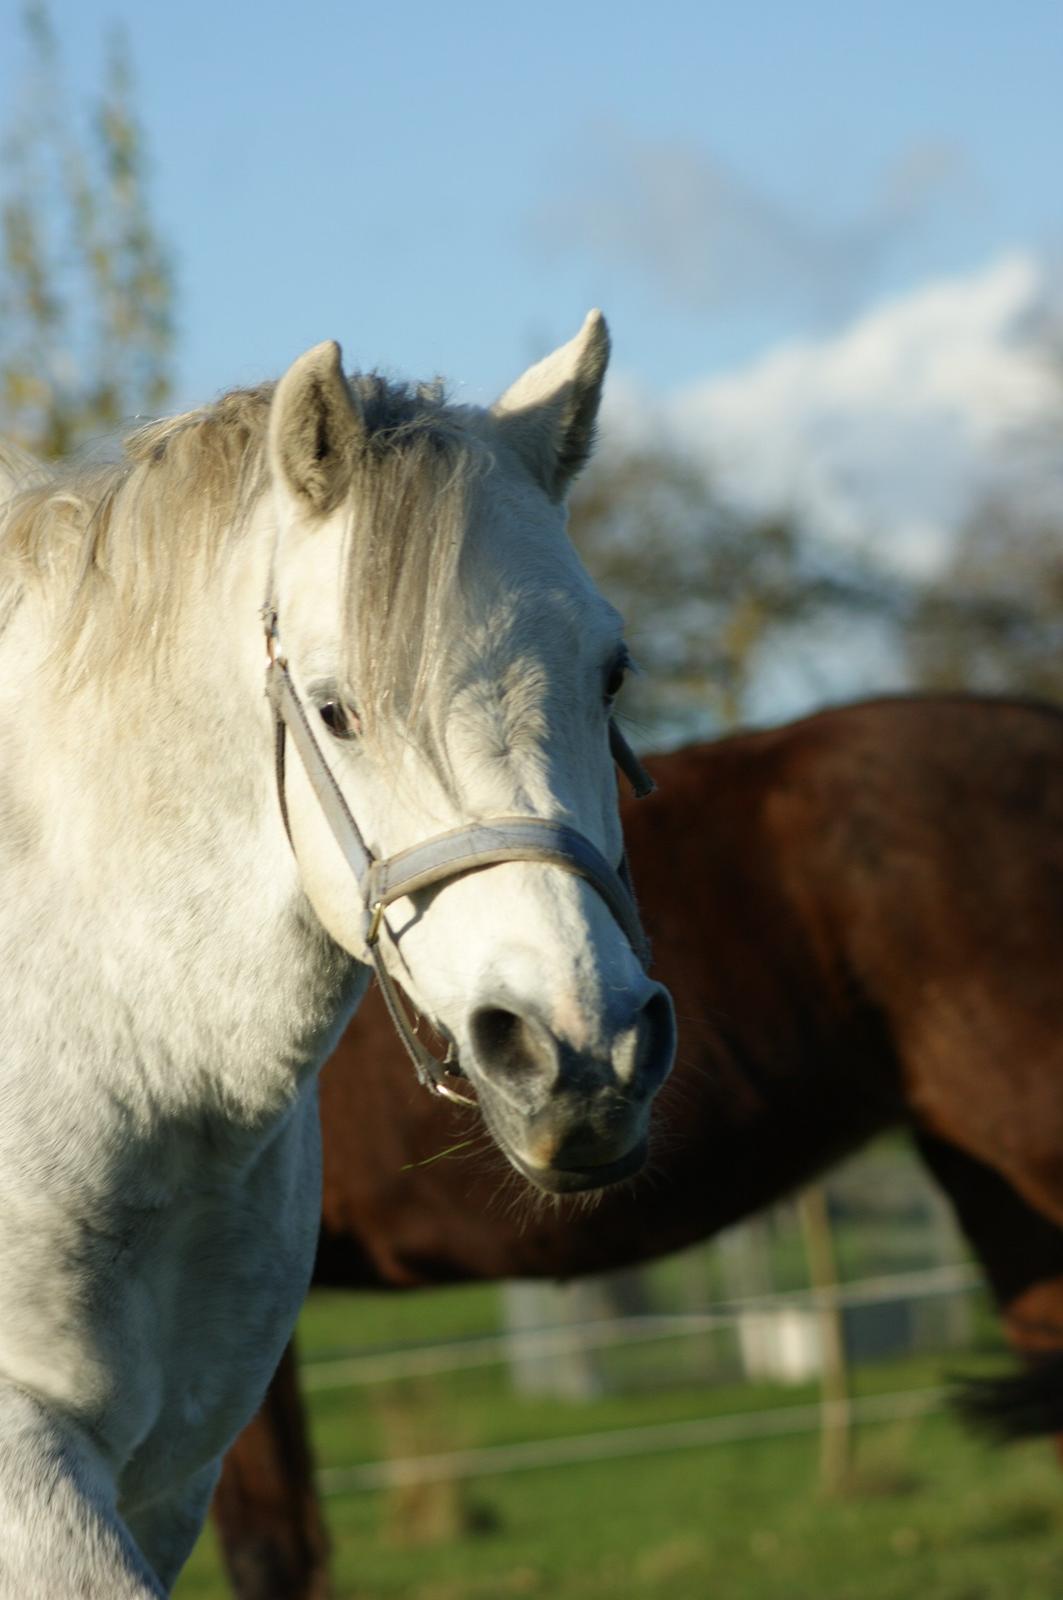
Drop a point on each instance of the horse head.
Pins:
(458, 671)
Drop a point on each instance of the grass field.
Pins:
(931, 1513)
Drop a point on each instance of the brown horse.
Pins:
(860, 917)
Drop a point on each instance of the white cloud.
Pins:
(887, 429)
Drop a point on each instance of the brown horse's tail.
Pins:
(1018, 1405)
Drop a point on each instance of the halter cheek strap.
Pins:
(443, 857)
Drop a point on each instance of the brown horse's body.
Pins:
(860, 917)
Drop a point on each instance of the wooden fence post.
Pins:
(835, 1451)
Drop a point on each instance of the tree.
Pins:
(86, 286)
(707, 590)
(992, 618)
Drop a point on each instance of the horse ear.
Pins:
(549, 415)
(315, 430)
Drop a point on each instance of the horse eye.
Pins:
(615, 681)
(341, 722)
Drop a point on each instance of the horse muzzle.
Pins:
(569, 1118)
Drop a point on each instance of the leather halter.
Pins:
(444, 856)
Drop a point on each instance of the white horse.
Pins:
(180, 946)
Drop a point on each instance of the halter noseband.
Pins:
(443, 857)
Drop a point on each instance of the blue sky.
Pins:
(448, 188)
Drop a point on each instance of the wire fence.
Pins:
(493, 1349)
(697, 1432)
(650, 1439)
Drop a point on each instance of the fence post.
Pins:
(570, 1370)
(835, 1438)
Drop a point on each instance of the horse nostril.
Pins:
(495, 1032)
(657, 1041)
(515, 1051)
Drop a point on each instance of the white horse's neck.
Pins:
(147, 840)
(167, 994)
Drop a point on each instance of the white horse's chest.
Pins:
(153, 1314)
(224, 1282)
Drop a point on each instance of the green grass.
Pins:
(931, 1513)
(332, 1324)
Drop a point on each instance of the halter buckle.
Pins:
(372, 933)
(268, 614)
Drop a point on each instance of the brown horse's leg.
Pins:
(266, 1511)
(1022, 1253)
(1033, 1321)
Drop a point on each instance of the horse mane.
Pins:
(115, 550)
